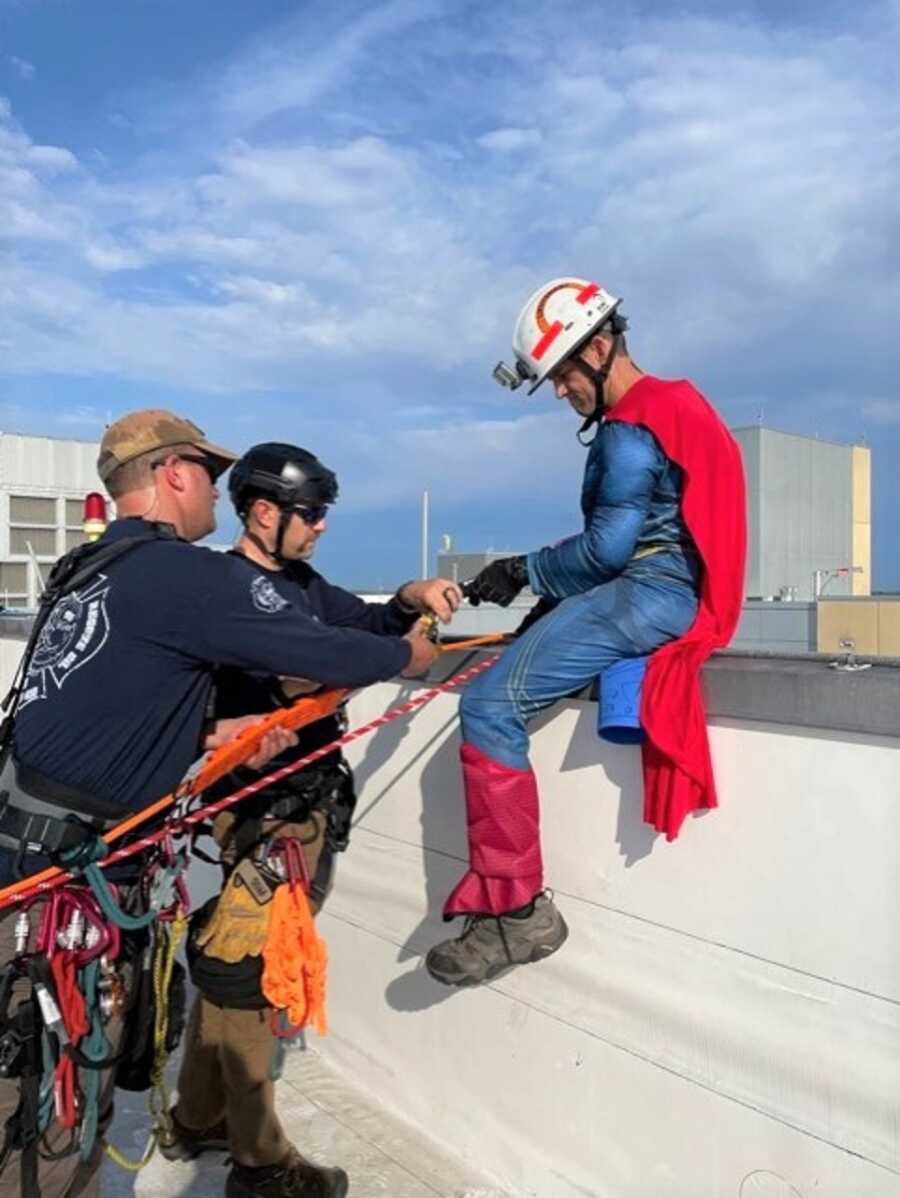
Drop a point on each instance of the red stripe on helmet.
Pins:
(587, 293)
(547, 340)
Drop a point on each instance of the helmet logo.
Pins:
(551, 331)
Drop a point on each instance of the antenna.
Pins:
(424, 534)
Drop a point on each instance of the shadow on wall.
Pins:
(622, 766)
(380, 748)
(443, 822)
(445, 856)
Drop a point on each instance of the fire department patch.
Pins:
(76, 630)
(265, 597)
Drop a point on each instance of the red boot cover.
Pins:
(504, 838)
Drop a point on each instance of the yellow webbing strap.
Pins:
(169, 937)
(649, 551)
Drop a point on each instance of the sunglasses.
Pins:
(212, 468)
(311, 515)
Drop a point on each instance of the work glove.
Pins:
(499, 582)
(541, 608)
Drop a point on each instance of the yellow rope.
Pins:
(169, 937)
(123, 1161)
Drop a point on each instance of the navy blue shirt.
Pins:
(116, 697)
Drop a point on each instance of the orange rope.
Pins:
(492, 638)
(213, 767)
(235, 752)
(295, 960)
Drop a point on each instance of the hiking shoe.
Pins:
(183, 1144)
(293, 1178)
(491, 943)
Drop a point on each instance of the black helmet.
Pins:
(285, 474)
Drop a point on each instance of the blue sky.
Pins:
(317, 223)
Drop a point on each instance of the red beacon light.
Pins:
(94, 516)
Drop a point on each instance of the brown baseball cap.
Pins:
(153, 428)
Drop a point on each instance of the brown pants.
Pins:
(226, 1075)
(226, 1070)
(70, 1176)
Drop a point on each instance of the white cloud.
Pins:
(292, 69)
(51, 159)
(24, 69)
(111, 257)
(882, 411)
(507, 141)
(735, 183)
(456, 458)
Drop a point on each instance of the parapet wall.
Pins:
(724, 1021)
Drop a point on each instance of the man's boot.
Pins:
(490, 944)
(183, 1144)
(293, 1178)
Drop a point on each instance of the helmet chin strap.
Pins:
(275, 554)
(598, 376)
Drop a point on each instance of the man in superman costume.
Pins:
(657, 573)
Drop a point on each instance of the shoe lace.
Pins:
(304, 1181)
(473, 922)
(294, 1179)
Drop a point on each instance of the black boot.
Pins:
(293, 1178)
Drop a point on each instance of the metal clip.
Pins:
(110, 991)
(849, 664)
(71, 936)
(51, 1013)
(22, 931)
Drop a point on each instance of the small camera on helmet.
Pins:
(506, 376)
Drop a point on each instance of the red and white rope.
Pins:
(176, 824)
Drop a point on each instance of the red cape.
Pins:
(678, 776)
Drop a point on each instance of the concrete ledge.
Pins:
(802, 691)
(797, 690)
(805, 692)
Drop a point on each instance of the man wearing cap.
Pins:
(655, 575)
(113, 705)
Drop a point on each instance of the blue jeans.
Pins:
(653, 601)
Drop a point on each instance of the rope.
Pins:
(95, 1047)
(490, 638)
(169, 936)
(42, 883)
(93, 875)
(202, 774)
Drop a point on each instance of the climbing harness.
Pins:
(166, 979)
(209, 769)
(72, 953)
(206, 770)
(78, 969)
(69, 975)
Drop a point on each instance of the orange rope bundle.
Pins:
(295, 960)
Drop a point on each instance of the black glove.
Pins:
(499, 582)
(540, 608)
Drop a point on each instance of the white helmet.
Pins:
(557, 319)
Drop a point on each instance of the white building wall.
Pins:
(57, 474)
(800, 511)
(724, 1021)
